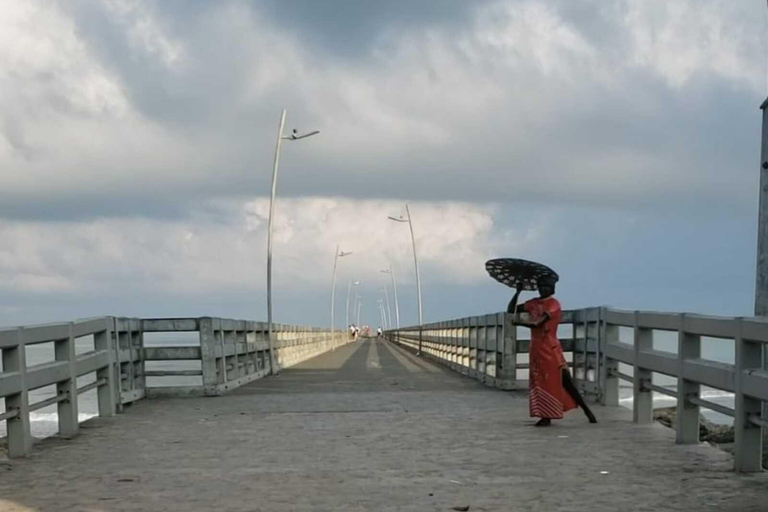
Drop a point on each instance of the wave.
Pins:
(662, 398)
(52, 417)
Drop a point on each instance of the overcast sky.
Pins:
(616, 140)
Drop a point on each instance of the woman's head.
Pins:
(546, 286)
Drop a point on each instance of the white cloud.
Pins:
(225, 251)
(680, 39)
(127, 106)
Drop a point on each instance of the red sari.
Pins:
(548, 397)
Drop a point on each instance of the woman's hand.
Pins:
(512, 306)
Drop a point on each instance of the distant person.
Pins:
(379, 332)
(552, 391)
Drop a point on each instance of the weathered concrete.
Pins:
(370, 427)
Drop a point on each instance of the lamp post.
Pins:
(382, 317)
(280, 138)
(333, 282)
(391, 272)
(389, 308)
(349, 287)
(416, 264)
(359, 307)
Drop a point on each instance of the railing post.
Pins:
(748, 450)
(508, 372)
(455, 342)
(610, 367)
(228, 340)
(642, 410)
(473, 346)
(208, 344)
(67, 389)
(141, 367)
(19, 436)
(117, 367)
(103, 342)
(688, 347)
(481, 356)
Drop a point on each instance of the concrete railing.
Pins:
(601, 339)
(230, 353)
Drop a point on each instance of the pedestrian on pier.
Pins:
(552, 391)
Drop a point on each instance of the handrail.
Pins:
(231, 353)
(487, 346)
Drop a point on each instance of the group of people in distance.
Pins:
(355, 331)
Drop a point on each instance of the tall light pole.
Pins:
(359, 307)
(382, 318)
(754, 439)
(391, 272)
(333, 282)
(349, 287)
(416, 263)
(389, 308)
(280, 138)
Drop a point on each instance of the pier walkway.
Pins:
(369, 426)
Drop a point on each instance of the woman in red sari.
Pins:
(551, 387)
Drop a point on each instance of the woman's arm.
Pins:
(513, 307)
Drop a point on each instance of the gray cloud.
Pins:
(490, 101)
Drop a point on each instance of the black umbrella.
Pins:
(519, 274)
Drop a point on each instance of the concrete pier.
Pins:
(369, 426)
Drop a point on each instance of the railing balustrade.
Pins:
(489, 349)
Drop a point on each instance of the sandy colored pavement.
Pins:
(370, 427)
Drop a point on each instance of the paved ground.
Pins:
(370, 427)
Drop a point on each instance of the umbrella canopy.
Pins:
(519, 274)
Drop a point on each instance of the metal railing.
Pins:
(230, 353)
(487, 347)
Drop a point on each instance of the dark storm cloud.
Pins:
(346, 30)
(585, 129)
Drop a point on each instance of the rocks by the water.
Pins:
(721, 436)
(708, 431)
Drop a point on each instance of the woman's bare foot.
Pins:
(544, 422)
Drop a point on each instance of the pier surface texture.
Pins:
(369, 426)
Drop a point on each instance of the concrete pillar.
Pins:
(228, 346)
(610, 368)
(140, 380)
(208, 345)
(642, 410)
(748, 452)
(508, 369)
(67, 389)
(19, 436)
(117, 368)
(688, 347)
(103, 341)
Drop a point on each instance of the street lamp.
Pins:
(280, 138)
(391, 272)
(359, 307)
(349, 287)
(389, 308)
(333, 281)
(416, 263)
(382, 315)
